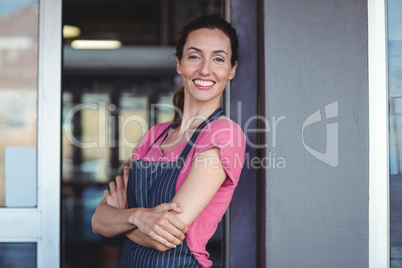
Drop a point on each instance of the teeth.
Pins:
(204, 83)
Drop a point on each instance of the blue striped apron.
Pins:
(150, 184)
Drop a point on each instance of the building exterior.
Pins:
(311, 94)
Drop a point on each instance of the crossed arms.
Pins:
(164, 226)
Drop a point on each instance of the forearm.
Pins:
(109, 221)
(155, 225)
(135, 236)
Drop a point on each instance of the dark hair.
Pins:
(210, 22)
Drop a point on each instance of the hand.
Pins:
(117, 197)
(160, 224)
(138, 237)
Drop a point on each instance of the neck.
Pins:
(194, 113)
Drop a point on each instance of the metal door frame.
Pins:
(379, 209)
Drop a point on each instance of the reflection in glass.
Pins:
(21, 255)
(395, 124)
(18, 77)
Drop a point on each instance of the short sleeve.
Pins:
(226, 135)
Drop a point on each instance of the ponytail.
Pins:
(178, 102)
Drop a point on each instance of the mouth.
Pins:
(203, 84)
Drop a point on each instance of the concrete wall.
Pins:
(317, 204)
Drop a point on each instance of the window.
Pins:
(395, 128)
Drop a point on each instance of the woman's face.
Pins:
(205, 65)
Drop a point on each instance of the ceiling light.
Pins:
(95, 44)
(71, 31)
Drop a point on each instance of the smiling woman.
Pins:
(226, 33)
(169, 212)
(206, 66)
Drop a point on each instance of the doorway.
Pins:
(111, 97)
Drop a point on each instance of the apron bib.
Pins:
(150, 184)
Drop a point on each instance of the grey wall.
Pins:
(316, 54)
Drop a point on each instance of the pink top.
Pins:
(224, 134)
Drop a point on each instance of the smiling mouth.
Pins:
(203, 83)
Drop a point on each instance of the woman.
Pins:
(177, 189)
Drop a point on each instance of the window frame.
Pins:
(379, 213)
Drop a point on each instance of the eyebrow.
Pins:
(214, 52)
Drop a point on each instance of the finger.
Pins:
(175, 232)
(106, 193)
(166, 207)
(185, 229)
(159, 247)
(173, 225)
(176, 222)
(109, 200)
(168, 236)
(119, 182)
(126, 172)
(162, 240)
(173, 207)
(112, 186)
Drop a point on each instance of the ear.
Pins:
(233, 71)
(178, 67)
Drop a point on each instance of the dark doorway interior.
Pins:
(102, 88)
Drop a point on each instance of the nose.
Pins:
(205, 68)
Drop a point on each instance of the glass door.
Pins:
(30, 78)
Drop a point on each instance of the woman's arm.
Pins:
(157, 223)
(203, 181)
(109, 221)
(162, 228)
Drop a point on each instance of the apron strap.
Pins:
(163, 133)
(218, 112)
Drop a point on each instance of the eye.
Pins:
(219, 59)
(192, 57)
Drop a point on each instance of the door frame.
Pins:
(245, 244)
(379, 208)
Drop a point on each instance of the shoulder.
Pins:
(229, 138)
(223, 132)
(225, 123)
